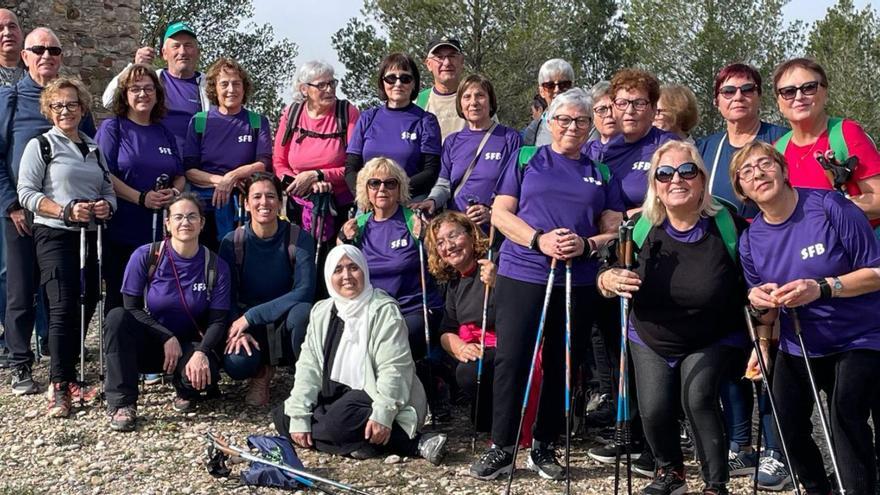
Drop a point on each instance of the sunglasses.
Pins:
(560, 85)
(39, 50)
(686, 171)
(391, 79)
(390, 184)
(729, 91)
(807, 89)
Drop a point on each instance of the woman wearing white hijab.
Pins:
(355, 391)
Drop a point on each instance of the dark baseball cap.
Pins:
(443, 41)
(178, 27)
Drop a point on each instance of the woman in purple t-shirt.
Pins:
(814, 250)
(145, 167)
(176, 297)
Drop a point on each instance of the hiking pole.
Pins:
(82, 310)
(486, 291)
(233, 451)
(765, 379)
(101, 295)
(815, 390)
(622, 426)
(538, 339)
(567, 376)
(321, 209)
(423, 277)
(161, 183)
(758, 391)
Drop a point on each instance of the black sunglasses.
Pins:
(560, 85)
(391, 79)
(808, 89)
(39, 50)
(729, 91)
(389, 184)
(687, 171)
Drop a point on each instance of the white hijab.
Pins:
(348, 365)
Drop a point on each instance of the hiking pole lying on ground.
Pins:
(567, 376)
(486, 291)
(766, 381)
(815, 390)
(622, 427)
(308, 479)
(538, 339)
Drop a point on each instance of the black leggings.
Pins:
(694, 383)
(850, 379)
(518, 309)
(466, 377)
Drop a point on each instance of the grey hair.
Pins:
(600, 90)
(308, 72)
(555, 66)
(574, 97)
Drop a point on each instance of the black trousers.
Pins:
(132, 349)
(22, 280)
(116, 256)
(518, 310)
(58, 252)
(851, 381)
(466, 377)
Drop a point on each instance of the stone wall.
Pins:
(99, 37)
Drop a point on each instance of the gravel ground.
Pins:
(81, 455)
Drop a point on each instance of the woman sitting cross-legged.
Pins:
(355, 391)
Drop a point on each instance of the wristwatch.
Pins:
(824, 288)
(836, 287)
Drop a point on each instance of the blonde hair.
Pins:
(654, 209)
(63, 82)
(681, 103)
(390, 167)
(740, 157)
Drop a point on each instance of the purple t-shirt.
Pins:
(182, 101)
(137, 155)
(555, 191)
(163, 298)
(629, 163)
(500, 152)
(228, 143)
(393, 258)
(826, 236)
(402, 134)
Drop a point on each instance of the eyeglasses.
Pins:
(59, 107)
(747, 172)
(443, 58)
(807, 89)
(559, 85)
(687, 171)
(639, 104)
(324, 85)
(39, 50)
(602, 110)
(729, 91)
(136, 90)
(390, 184)
(391, 79)
(450, 239)
(566, 120)
(189, 217)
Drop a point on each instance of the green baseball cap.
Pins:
(178, 27)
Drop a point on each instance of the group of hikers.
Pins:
(602, 268)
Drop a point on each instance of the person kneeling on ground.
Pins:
(175, 297)
(273, 289)
(355, 390)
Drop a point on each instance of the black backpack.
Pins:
(292, 124)
(157, 249)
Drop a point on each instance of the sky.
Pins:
(311, 27)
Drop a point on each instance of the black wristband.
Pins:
(66, 214)
(533, 244)
(824, 288)
(320, 175)
(142, 200)
(757, 313)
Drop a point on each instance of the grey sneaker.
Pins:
(432, 447)
(543, 461)
(772, 473)
(23, 381)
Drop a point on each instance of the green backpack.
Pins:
(361, 220)
(723, 220)
(527, 152)
(422, 99)
(835, 140)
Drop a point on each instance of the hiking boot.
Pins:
(59, 400)
(773, 475)
(667, 481)
(82, 394)
(368, 451)
(606, 436)
(123, 418)
(602, 414)
(493, 463)
(23, 381)
(740, 463)
(608, 453)
(715, 490)
(543, 461)
(182, 405)
(432, 447)
(258, 387)
(644, 465)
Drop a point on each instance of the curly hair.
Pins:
(441, 270)
(636, 79)
(120, 106)
(224, 64)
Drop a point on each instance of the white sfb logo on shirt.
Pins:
(200, 287)
(164, 151)
(645, 166)
(591, 180)
(492, 156)
(408, 136)
(814, 250)
(246, 139)
(400, 243)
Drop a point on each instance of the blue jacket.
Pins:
(21, 121)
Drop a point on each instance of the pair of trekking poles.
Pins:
(83, 324)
